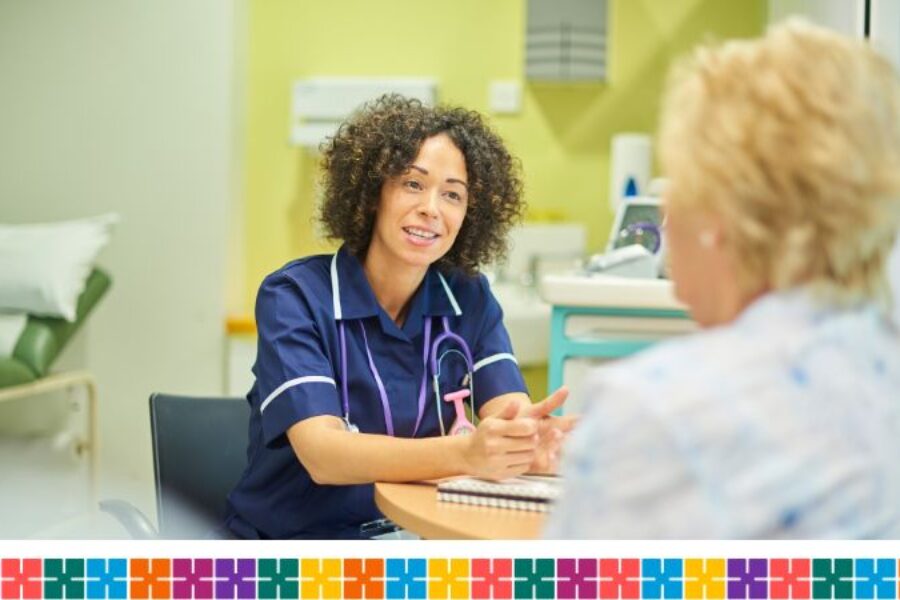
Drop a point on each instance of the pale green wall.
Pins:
(562, 134)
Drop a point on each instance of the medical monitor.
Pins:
(638, 221)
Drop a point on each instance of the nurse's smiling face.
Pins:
(420, 212)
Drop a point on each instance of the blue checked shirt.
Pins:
(782, 424)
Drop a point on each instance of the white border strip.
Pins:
(450, 295)
(494, 358)
(442, 549)
(295, 382)
(336, 289)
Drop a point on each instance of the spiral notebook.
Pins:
(527, 492)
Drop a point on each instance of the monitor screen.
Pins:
(637, 221)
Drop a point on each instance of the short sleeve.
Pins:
(495, 366)
(294, 377)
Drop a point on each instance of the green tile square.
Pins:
(535, 578)
(63, 578)
(832, 579)
(274, 575)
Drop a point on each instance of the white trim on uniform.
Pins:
(492, 359)
(335, 289)
(450, 296)
(292, 383)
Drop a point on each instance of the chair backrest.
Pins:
(199, 453)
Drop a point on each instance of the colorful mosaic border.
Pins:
(612, 578)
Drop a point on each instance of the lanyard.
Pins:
(382, 392)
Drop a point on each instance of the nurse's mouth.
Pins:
(420, 237)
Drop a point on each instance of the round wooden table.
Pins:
(415, 507)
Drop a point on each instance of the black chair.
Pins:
(199, 453)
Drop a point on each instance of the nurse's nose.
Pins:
(428, 207)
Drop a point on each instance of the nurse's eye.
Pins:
(455, 197)
(412, 184)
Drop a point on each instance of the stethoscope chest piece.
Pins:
(350, 426)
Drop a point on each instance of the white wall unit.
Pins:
(884, 28)
(845, 16)
(539, 247)
(849, 17)
(319, 104)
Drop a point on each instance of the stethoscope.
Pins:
(461, 425)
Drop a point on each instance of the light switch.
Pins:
(505, 97)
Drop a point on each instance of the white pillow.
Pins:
(43, 267)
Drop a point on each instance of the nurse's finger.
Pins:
(521, 427)
(549, 404)
(551, 439)
(564, 424)
(544, 461)
(508, 473)
(508, 465)
(547, 463)
(518, 444)
(516, 460)
(508, 412)
(555, 425)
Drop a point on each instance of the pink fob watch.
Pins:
(462, 425)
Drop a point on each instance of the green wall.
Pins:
(562, 134)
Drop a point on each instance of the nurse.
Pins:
(368, 357)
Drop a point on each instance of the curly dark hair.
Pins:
(381, 141)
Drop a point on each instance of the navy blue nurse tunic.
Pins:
(298, 376)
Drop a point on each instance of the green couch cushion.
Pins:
(14, 372)
(45, 337)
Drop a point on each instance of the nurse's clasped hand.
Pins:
(551, 430)
(503, 445)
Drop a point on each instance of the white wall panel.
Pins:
(128, 106)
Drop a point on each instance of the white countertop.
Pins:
(579, 289)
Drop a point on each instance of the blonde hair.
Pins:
(794, 141)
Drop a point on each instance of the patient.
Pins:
(782, 418)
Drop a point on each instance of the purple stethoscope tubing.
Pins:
(447, 335)
(646, 226)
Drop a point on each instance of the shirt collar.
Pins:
(353, 297)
